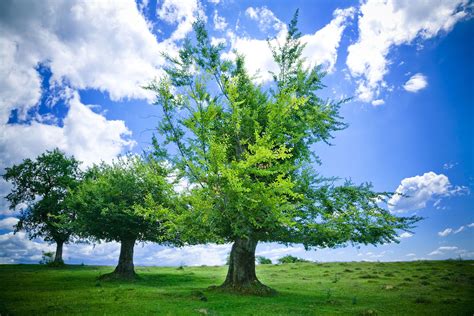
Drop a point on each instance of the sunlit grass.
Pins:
(405, 288)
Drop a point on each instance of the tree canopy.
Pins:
(248, 150)
(126, 201)
(40, 187)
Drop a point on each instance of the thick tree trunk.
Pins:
(241, 276)
(125, 268)
(58, 257)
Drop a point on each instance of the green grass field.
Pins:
(359, 288)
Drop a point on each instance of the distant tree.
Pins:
(42, 185)
(248, 151)
(127, 201)
(263, 260)
(291, 259)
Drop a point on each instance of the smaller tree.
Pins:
(290, 259)
(127, 201)
(42, 185)
(263, 260)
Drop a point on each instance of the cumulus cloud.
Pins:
(405, 235)
(415, 192)
(8, 223)
(416, 83)
(321, 46)
(384, 24)
(378, 102)
(265, 18)
(183, 13)
(15, 248)
(219, 22)
(100, 45)
(89, 136)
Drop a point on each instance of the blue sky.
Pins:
(71, 74)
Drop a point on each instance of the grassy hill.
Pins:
(359, 288)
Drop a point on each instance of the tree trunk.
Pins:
(125, 268)
(241, 276)
(58, 257)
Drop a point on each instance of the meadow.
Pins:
(352, 288)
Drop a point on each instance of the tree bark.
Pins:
(125, 268)
(58, 257)
(241, 276)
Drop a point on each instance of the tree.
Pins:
(42, 185)
(127, 201)
(248, 150)
(290, 259)
(263, 260)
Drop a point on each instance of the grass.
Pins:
(359, 288)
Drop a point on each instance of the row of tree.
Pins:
(247, 152)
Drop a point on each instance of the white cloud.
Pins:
(416, 83)
(445, 232)
(449, 231)
(406, 235)
(15, 248)
(274, 253)
(384, 24)
(89, 136)
(266, 19)
(183, 13)
(442, 250)
(321, 47)
(415, 192)
(411, 254)
(218, 40)
(99, 45)
(219, 22)
(449, 165)
(87, 44)
(378, 102)
(8, 223)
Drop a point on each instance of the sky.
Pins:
(71, 76)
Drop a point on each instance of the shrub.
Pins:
(291, 259)
(263, 260)
(47, 258)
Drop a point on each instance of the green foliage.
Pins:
(74, 290)
(290, 259)
(248, 152)
(263, 260)
(43, 185)
(129, 199)
(47, 257)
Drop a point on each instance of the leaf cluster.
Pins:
(40, 188)
(248, 150)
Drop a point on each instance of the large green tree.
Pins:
(249, 152)
(41, 185)
(127, 201)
